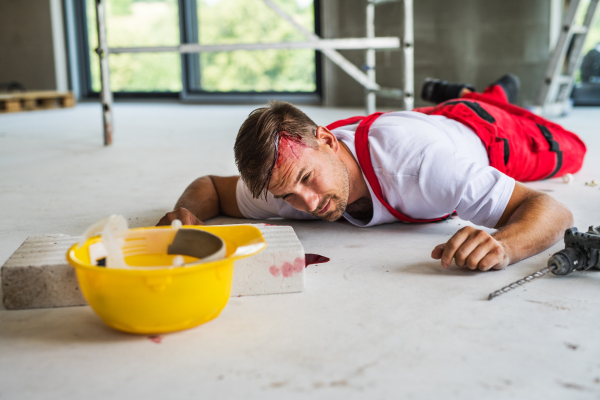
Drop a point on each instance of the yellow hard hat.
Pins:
(168, 278)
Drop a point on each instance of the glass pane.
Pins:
(227, 21)
(138, 23)
(145, 72)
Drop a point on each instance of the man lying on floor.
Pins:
(416, 166)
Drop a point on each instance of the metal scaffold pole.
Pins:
(370, 61)
(406, 94)
(105, 93)
(409, 56)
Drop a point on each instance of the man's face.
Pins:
(311, 180)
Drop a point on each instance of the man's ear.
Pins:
(326, 137)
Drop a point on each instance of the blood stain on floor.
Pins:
(314, 259)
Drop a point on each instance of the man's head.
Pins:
(281, 150)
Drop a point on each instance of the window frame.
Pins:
(188, 26)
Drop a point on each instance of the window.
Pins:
(226, 21)
(142, 23)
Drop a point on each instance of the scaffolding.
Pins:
(328, 47)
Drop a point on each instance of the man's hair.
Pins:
(257, 144)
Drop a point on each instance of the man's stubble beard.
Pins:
(339, 202)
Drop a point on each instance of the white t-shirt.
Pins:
(427, 167)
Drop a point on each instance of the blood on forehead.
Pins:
(290, 146)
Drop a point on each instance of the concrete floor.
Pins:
(381, 320)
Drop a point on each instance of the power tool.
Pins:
(582, 252)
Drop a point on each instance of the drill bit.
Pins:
(521, 282)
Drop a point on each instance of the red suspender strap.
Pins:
(361, 142)
(344, 122)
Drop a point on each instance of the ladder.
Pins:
(554, 94)
(407, 94)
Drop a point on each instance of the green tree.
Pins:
(228, 21)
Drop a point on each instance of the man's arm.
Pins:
(531, 222)
(205, 198)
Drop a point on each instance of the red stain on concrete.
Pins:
(288, 269)
(315, 259)
(155, 339)
(274, 270)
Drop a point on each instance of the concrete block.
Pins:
(38, 275)
(277, 269)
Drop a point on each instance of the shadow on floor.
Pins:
(59, 325)
(433, 268)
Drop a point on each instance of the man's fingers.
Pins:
(438, 251)
(191, 220)
(472, 248)
(185, 216)
(186, 219)
(164, 221)
(471, 245)
(454, 244)
(494, 259)
(485, 247)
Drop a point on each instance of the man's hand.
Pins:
(531, 222)
(183, 214)
(204, 199)
(473, 248)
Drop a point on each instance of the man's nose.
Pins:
(311, 200)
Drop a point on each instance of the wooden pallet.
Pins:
(43, 100)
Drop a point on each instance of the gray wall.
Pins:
(26, 47)
(473, 41)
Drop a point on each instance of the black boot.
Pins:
(510, 83)
(438, 91)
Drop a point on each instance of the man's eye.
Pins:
(305, 178)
